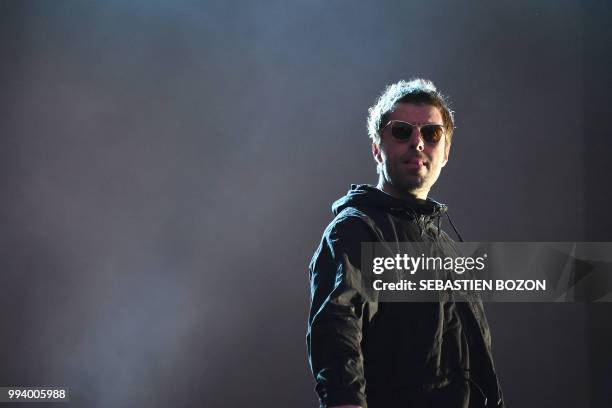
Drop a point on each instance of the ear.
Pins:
(376, 153)
(446, 153)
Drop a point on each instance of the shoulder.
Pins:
(351, 223)
(345, 233)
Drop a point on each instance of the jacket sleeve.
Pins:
(335, 320)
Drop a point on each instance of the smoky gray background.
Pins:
(168, 169)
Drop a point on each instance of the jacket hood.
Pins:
(364, 195)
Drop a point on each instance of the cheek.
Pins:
(384, 154)
(391, 152)
(391, 159)
(437, 155)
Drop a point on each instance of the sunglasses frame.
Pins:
(419, 126)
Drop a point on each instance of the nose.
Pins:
(416, 141)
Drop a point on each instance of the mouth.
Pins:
(415, 163)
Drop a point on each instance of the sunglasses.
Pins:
(431, 133)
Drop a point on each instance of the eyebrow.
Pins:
(415, 124)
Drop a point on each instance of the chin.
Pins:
(411, 184)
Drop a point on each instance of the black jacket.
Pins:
(359, 347)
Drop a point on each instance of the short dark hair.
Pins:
(417, 91)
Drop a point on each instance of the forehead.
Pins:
(416, 113)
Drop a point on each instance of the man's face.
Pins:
(412, 165)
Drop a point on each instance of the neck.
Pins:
(401, 194)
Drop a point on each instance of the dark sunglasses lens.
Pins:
(401, 131)
(432, 133)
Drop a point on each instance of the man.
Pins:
(365, 353)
